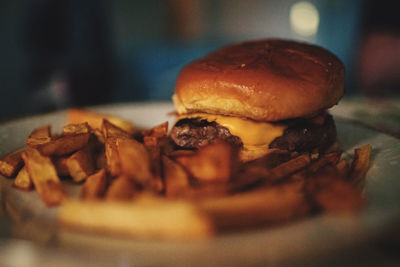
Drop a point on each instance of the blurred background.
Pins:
(64, 53)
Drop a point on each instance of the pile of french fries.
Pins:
(136, 183)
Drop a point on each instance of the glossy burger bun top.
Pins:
(264, 80)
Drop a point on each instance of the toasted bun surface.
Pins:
(265, 80)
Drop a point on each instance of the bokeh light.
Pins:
(304, 19)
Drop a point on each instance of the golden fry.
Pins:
(175, 177)
(23, 181)
(135, 160)
(80, 164)
(272, 159)
(78, 128)
(61, 166)
(95, 185)
(110, 130)
(112, 156)
(11, 164)
(99, 135)
(250, 175)
(153, 147)
(360, 164)
(39, 136)
(342, 168)
(331, 158)
(44, 176)
(101, 161)
(95, 120)
(214, 162)
(63, 145)
(155, 218)
(158, 131)
(332, 194)
(121, 188)
(264, 206)
(74, 137)
(290, 167)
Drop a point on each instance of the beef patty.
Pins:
(301, 135)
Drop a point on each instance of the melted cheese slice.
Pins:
(252, 133)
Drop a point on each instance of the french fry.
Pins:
(81, 164)
(78, 128)
(206, 190)
(111, 130)
(95, 119)
(156, 218)
(331, 158)
(290, 167)
(175, 177)
(61, 166)
(44, 176)
(112, 156)
(342, 168)
(154, 146)
(11, 164)
(158, 131)
(272, 159)
(39, 136)
(332, 194)
(259, 170)
(121, 188)
(74, 138)
(101, 161)
(135, 160)
(213, 162)
(99, 135)
(325, 164)
(64, 145)
(95, 185)
(181, 153)
(112, 134)
(264, 206)
(22, 180)
(250, 175)
(360, 163)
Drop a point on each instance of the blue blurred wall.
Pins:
(144, 52)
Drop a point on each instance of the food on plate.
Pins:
(253, 145)
(258, 96)
(205, 191)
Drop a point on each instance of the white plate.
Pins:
(310, 240)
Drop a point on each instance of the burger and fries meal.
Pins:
(253, 145)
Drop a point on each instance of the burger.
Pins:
(259, 96)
